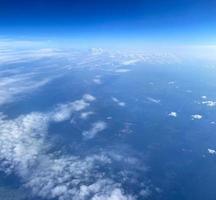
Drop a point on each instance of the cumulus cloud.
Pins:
(85, 115)
(120, 103)
(25, 151)
(64, 111)
(96, 128)
(209, 103)
(196, 116)
(211, 151)
(172, 114)
(97, 81)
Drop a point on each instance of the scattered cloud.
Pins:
(172, 114)
(122, 70)
(97, 81)
(26, 152)
(63, 111)
(120, 103)
(85, 115)
(153, 100)
(196, 117)
(96, 128)
(209, 103)
(211, 151)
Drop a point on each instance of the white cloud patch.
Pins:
(153, 100)
(63, 111)
(130, 62)
(97, 81)
(85, 115)
(211, 151)
(172, 114)
(16, 85)
(122, 70)
(96, 128)
(209, 103)
(25, 151)
(120, 103)
(196, 117)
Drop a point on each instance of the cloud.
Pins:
(14, 86)
(96, 128)
(209, 103)
(120, 103)
(196, 116)
(85, 115)
(153, 100)
(211, 151)
(130, 62)
(172, 114)
(26, 152)
(97, 81)
(63, 111)
(122, 70)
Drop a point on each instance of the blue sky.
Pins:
(123, 22)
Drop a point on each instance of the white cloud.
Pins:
(96, 128)
(122, 70)
(120, 103)
(204, 97)
(211, 151)
(173, 114)
(63, 111)
(196, 116)
(16, 85)
(97, 81)
(130, 62)
(85, 115)
(153, 100)
(209, 103)
(25, 152)
(88, 98)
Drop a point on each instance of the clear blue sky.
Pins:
(123, 21)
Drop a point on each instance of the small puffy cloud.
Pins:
(120, 103)
(97, 81)
(85, 115)
(89, 98)
(96, 128)
(171, 82)
(64, 111)
(196, 117)
(204, 97)
(172, 114)
(209, 103)
(211, 151)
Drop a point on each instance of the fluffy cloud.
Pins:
(172, 114)
(96, 128)
(209, 103)
(85, 115)
(64, 111)
(120, 103)
(196, 116)
(211, 151)
(25, 151)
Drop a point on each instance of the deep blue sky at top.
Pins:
(181, 21)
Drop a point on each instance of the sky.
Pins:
(137, 22)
